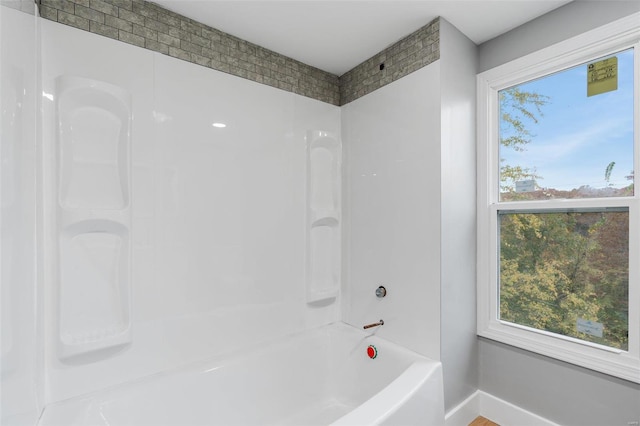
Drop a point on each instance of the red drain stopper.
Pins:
(372, 352)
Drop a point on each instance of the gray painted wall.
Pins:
(561, 392)
(565, 22)
(458, 342)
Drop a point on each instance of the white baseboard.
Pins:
(495, 409)
(465, 412)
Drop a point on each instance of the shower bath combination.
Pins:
(165, 238)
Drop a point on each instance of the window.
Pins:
(558, 214)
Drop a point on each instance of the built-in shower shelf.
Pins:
(76, 346)
(93, 217)
(318, 296)
(73, 217)
(93, 336)
(326, 219)
(323, 216)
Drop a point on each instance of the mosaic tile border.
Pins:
(413, 52)
(150, 26)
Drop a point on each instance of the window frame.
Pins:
(617, 36)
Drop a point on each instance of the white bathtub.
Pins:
(320, 377)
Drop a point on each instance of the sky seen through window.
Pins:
(577, 136)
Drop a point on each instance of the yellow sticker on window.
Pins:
(602, 76)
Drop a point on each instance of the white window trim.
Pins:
(619, 35)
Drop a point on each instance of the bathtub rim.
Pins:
(416, 373)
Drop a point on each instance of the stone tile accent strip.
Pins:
(150, 26)
(404, 57)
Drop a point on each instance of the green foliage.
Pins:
(630, 177)
(519, 110)
(608, 170)
(558, 267)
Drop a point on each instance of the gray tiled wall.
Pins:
(150, 26)
(413, 52)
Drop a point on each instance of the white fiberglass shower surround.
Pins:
(160, 251)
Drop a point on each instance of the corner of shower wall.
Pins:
(324, 242)
(93, 209)
(20, 370)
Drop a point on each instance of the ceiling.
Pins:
(337, 35)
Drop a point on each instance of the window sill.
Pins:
(610, 361)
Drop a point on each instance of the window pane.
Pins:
(557, 140)
(567, 273)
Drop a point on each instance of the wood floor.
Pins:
(481, 421)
